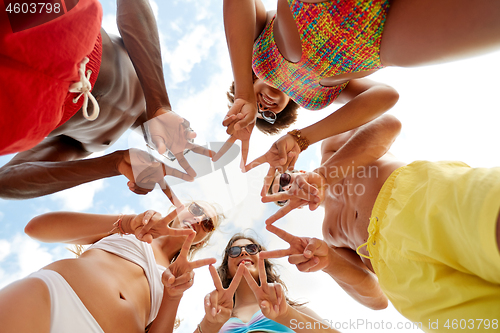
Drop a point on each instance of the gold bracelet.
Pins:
(117, 226)
(199, 328)
(301, 140)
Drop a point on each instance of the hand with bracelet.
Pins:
(282, 156)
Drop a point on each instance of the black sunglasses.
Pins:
(206, 224)
(235, 251)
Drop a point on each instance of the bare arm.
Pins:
(301, 320)
(359, 147)
(73, 228)
(138, 29)
(51, 166)
(243, 23)
(364, 101)
(347, 269)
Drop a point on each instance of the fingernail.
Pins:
(307, 253)
(276, 308)
(140, 236)
(214, 312)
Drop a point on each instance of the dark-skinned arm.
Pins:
(137, 26)
(53, 165)
(364, 101)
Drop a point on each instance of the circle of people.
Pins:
(424, 236)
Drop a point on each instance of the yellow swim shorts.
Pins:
(433, 245)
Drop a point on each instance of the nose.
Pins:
(262, 107)
(245, 250)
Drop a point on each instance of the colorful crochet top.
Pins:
(337, 37)
(258, 323)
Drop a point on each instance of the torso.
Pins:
(124, 300)
(119, 94)
(288, 41)
(319, 48)
(348, 207)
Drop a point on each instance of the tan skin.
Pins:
(345, 225)
(114, 290)
(130, 90)
(452, 30)
(251, 296)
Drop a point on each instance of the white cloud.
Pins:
(5, 249)
(79, 198)
(190, 50)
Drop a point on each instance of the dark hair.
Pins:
(284, 118)
(272, 274)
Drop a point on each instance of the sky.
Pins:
(448, 112)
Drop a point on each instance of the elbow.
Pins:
(391, 96)
(34, 228)
(380, 304)
(392, 124)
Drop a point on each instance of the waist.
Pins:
(110, 287)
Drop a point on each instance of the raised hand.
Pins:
(169, 131)
(241, 134)
(281, 156)
(242, 114)
(270, 296)
(308, 254)
(144, 171)
(307, 189)
(178, 277)
(150, 225)
(219, 303)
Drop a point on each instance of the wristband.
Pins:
(199, 328)
(117, 226)
(301, 140)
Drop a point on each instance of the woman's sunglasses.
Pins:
(268, 116)
(206, 224)
(235, 251)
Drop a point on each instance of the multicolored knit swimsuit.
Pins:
(338, 36)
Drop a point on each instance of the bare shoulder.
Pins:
(307, 311)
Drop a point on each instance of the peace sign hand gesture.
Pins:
(271, 297)
(150, 225)
(178, 277)
(219, 303)
(307, 189)
(308, 254)
(281, 156)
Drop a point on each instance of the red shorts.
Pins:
(37, 66)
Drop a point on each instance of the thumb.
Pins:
(264, 306)
(159, 142)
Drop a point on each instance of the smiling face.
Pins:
(187, 220)
(249, 260)
(269, 98)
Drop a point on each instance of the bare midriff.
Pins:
(114, 290)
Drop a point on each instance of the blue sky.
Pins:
(449, 112)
